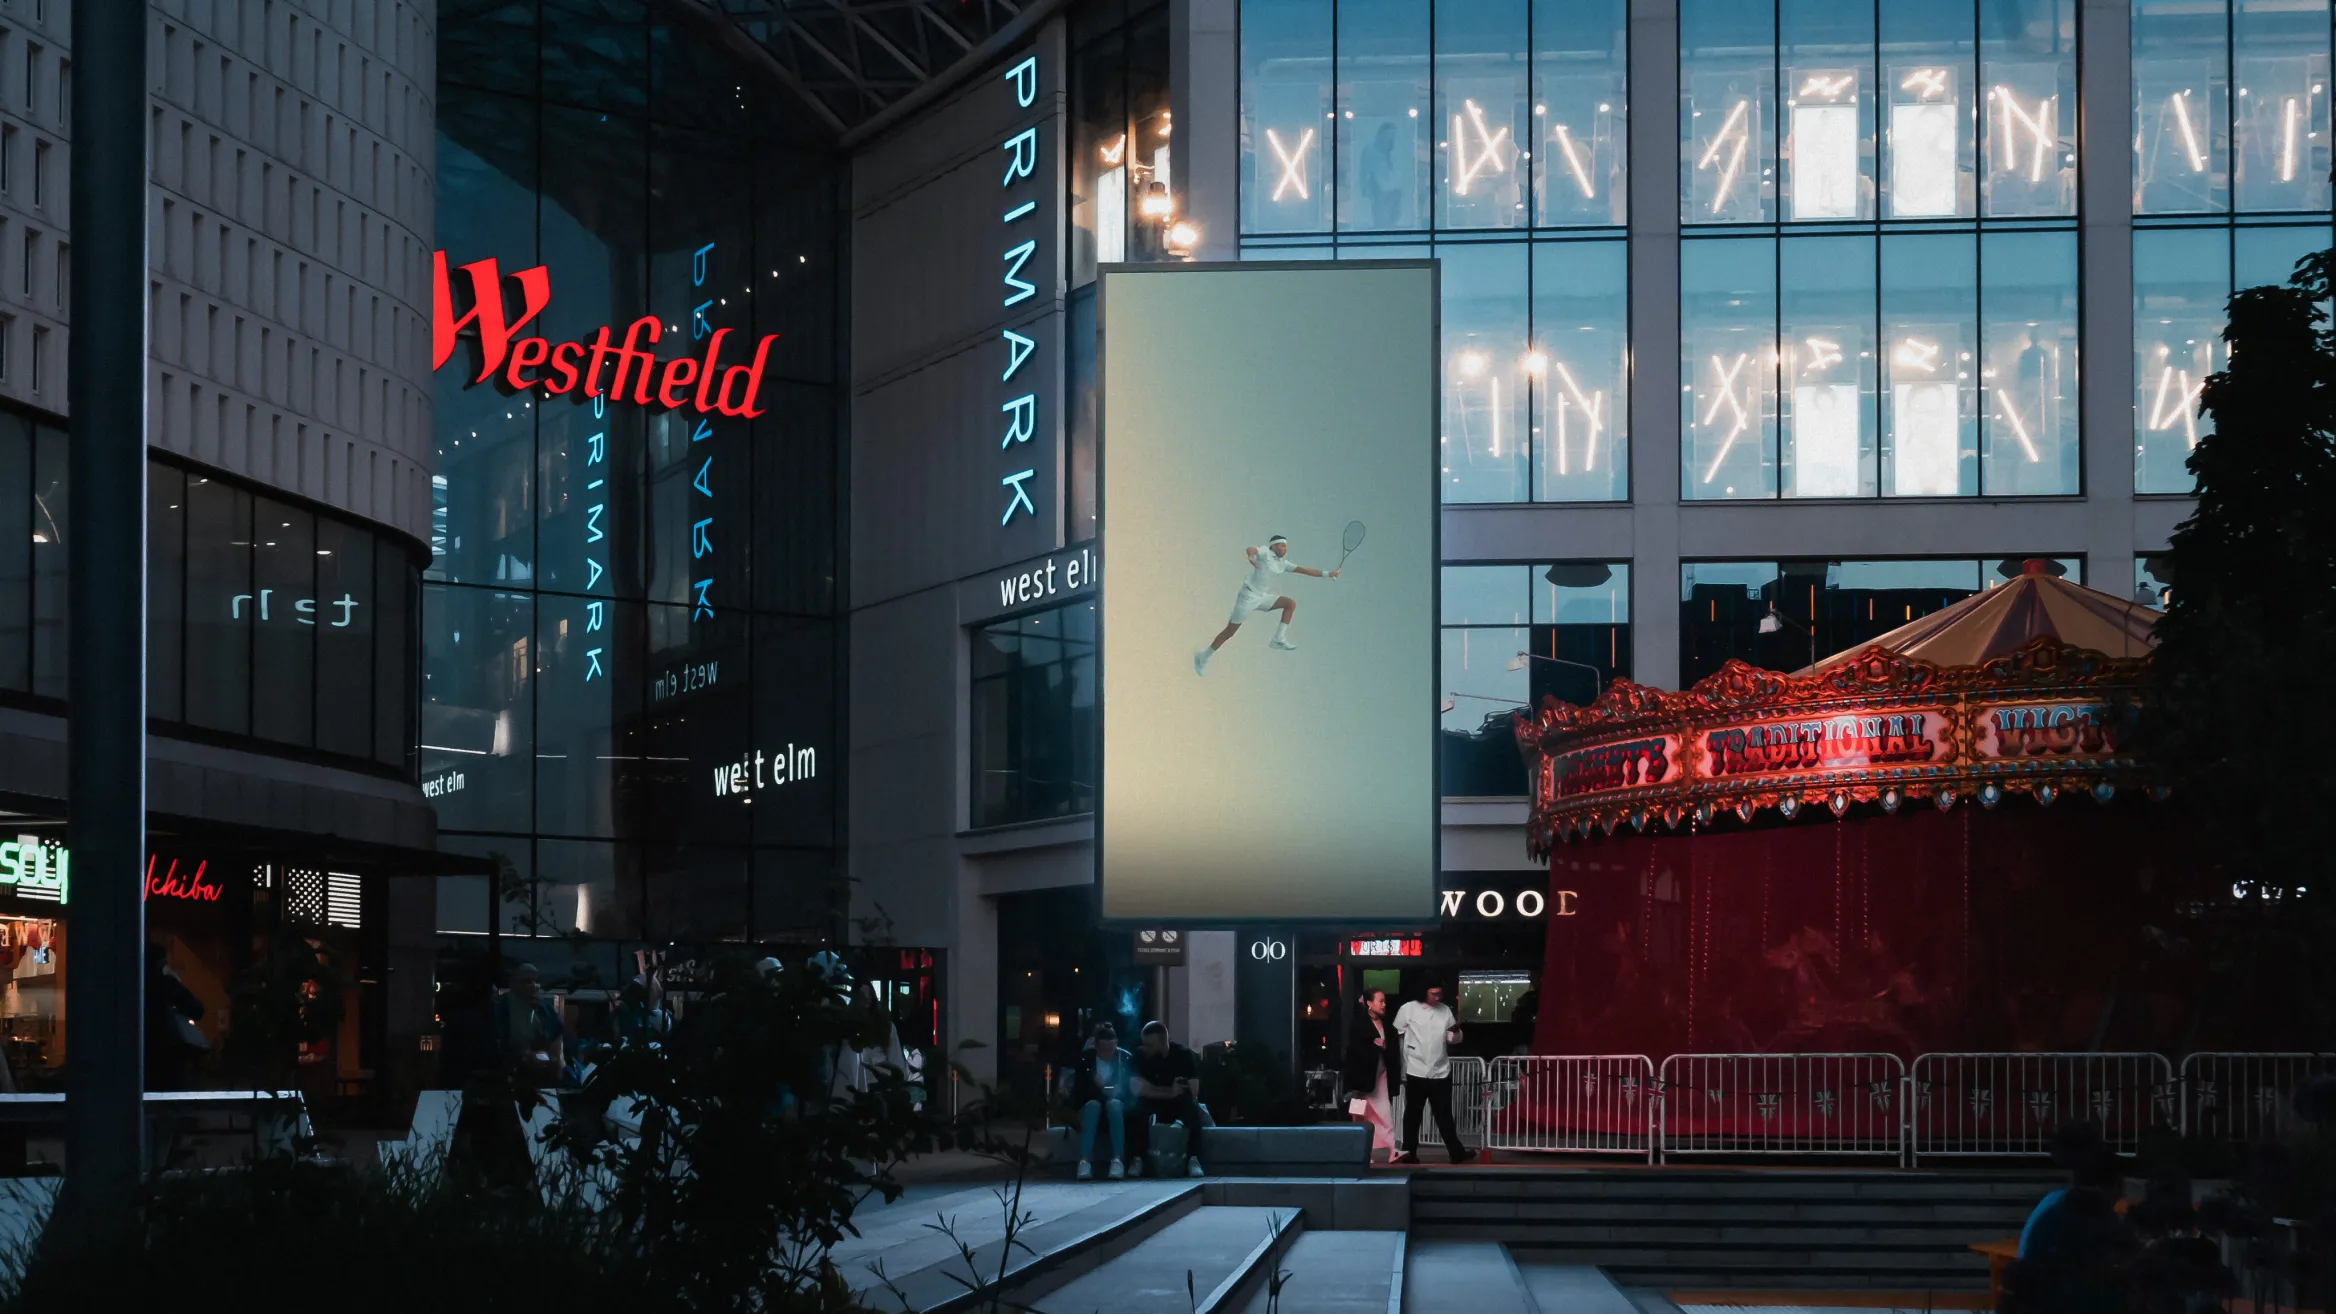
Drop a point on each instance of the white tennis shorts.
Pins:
(1250, 602)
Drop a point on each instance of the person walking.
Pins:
(1101, 1092)
(1167, 1085)
(173, 1041)
(1370, 1075)
(1429, 1030)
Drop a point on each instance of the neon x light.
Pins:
(1293, 161)
(2039, 125)
(1487, 160)
(2184, 406)
(1573, 161)
(1733, 127)
(1742, 420)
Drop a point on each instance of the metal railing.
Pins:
(2243, 1097)
(2011, 1104)
(1468, 1104)
(1781, 1104)
(1997, 1105)
(1572, 1104)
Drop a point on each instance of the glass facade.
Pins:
(1490, 134)
(2231, 157)
(1513, 635)
(1033, 721)
(1860, 316)
(1822, 607)
(267, 618)
(631, 678)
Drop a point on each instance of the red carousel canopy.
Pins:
(2020, 688)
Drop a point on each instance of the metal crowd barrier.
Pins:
(2244, 1097)
(1781, 1104)
(1468, 1102)
(2012, 1104)
(1572, 1104)
(1995, 1105)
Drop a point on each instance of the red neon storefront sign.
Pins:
(626, 371)
(175, 882)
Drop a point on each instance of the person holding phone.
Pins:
(1167, 1088)
(1429, 1031)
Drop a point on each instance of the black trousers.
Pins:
(1420, 1093)
(1183, 1109)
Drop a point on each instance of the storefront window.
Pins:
(1122, 173)
(1512, 636)
(2182, 278)
(1033, 729)
(2201, 149)
(1578, 367)
(1820, 607)
(1398, 116)
(1909, 365)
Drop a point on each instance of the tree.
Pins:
(2242, 669)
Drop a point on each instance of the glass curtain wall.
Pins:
(2231, 158)
(1512, 636)
(1878, 271)
(630, 672)
(267, 619)
(1820, 607)
(1033, 718)
(1122, 200)
(1491, 134)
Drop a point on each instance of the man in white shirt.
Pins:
(1259, 593)
(1428, 1030)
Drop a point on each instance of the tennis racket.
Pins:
(1352, 539)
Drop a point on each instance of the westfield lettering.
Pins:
(626, 371)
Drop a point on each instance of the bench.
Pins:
(1329, 1150)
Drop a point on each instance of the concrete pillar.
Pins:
(2105, 200)
(1204, 87)
(1654, 347)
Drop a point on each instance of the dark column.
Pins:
(105, 364)
(1265, 991)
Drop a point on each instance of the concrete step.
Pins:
(1685, 1234)
(909, 1255)
(1678, 1271)
(1717, 1212)
(1339, 1273)
(1203, 1263)
(1574, 1289)
(1656, 1184)
(1463, 1277)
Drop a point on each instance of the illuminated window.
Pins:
(2230, 107)
(1513, 635)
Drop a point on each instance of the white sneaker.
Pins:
(1200, 660)
(1284, 644)
(1135, 1166)
(1086, 1171)
(1118, 1170)
(1192, 1168)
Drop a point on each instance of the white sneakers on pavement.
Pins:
(1118, 1171)
(1192, 1168)
(1086, 1171)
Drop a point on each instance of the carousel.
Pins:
(1937, 841)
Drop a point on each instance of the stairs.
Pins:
(1719, 1229)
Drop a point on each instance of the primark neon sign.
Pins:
(1021, 413)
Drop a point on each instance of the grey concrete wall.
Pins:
(928, 450)
(290, 228)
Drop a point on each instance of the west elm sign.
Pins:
(1058, 577)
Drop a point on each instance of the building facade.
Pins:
(1766, 330)
(289, 219)
(632, 675)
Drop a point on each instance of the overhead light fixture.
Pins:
(1771, 623)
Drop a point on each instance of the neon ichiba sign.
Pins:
(626, 371)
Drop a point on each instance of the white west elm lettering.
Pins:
(759, 770)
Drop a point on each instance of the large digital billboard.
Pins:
(1268, 502)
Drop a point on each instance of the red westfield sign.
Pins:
(626, 371)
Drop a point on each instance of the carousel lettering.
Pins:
(1843, 741)
(2054, 731)
(1613, 766)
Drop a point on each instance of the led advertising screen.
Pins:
(1268, 503)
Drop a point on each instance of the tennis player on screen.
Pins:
(1259, 593)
